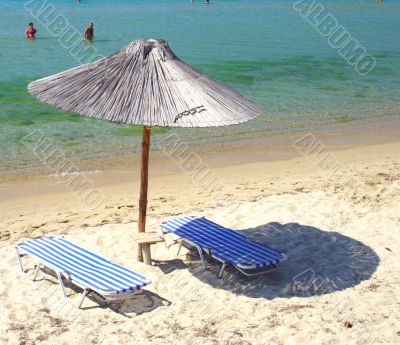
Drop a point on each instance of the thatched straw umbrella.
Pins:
(145, 84)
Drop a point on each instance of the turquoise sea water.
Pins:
(263, 48)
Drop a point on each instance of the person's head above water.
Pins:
(88, 34)
(30, 31)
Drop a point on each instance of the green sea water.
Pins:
(263, 48)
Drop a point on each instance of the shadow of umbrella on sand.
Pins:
(325, 262)
(145, 84)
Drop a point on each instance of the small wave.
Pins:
(76, 173)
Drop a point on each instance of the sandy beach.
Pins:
(278, 119)
(338, 224)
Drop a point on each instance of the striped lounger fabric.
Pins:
(85, 269)
(226, 245)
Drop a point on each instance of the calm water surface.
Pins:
(262, 48)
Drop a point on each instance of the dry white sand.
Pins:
(339, 286)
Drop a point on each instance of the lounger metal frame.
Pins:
(241, 268)
(60, 274)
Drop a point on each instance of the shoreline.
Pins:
(278, 147)
(50, 199)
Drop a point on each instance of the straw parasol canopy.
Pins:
(145, 84)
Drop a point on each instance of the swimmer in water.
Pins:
(30, 32)
(89, 32)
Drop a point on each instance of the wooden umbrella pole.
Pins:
(144, 176)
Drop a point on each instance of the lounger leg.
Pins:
(19, 261)
(162, 235)
(36, 272)
(221, 270)
(84, 294)
(179, 249)
(201, 257)
(61, 285)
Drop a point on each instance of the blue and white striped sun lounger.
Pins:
(226, 245)
(87, 270)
